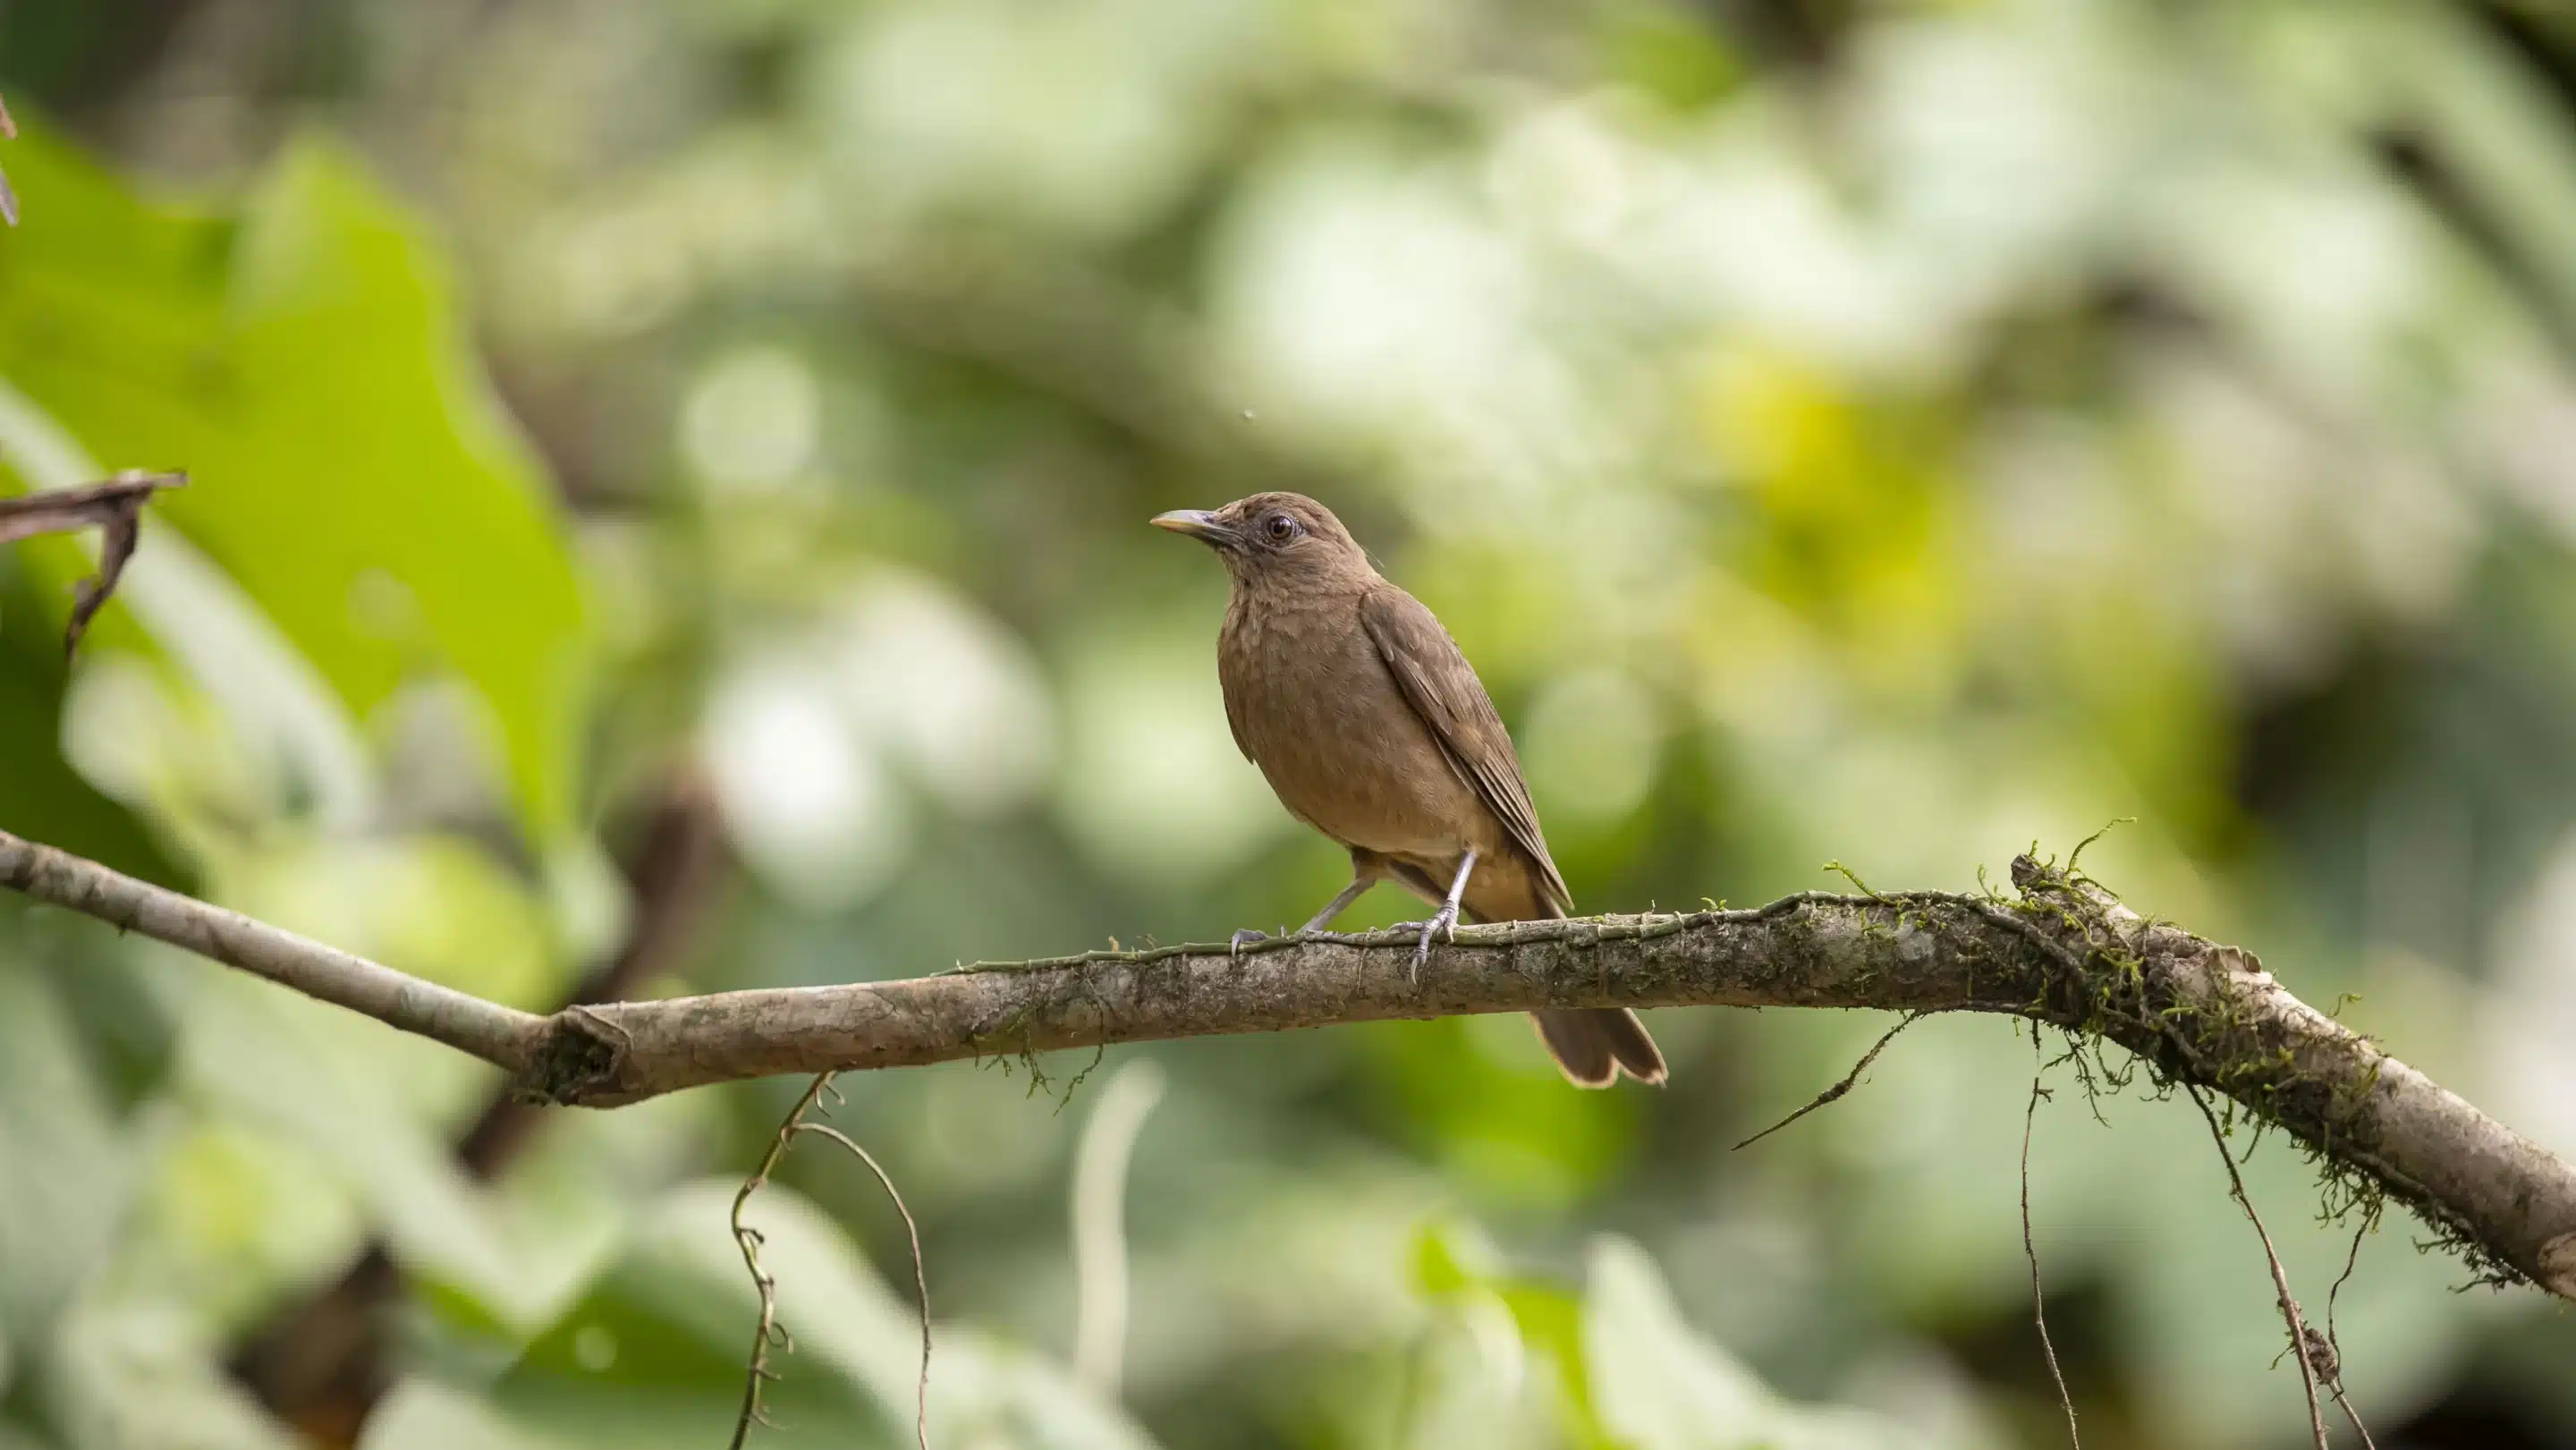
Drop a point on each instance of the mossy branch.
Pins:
(2059, 951)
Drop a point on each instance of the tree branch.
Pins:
(503, 1036)
(2062, 952)
(672, 880)
(323, 1363)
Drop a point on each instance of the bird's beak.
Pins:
(1198, 524)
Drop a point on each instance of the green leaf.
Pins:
(351, 469)
(366, 1103)
(1457, 1267)
(65, 1170)
(41, 797)
(1658, 1384)
(1452, 1256)
(422, 1414)
(1551, 1322)
(653, 1353)
(128, 1373)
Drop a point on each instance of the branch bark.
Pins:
(2061, 952)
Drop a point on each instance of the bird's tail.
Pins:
(1594, 1045)
(1591, 1045)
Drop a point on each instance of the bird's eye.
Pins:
(1280, 528)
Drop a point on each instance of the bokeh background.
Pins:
(668, 514)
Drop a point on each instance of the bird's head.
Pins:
(1272, 537)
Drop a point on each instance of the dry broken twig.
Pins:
(2193, 1010)
(1835, 1093)
(114, 507)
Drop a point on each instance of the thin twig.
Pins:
(501, 1035)
(1836, 1092)
(770, 1333)
(2333, 1345)
(2030, 1250)
(2280, 1277)
(114, 507)
(920, 1275)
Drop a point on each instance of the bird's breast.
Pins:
(1314, 706)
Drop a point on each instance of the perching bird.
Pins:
(1373, 729)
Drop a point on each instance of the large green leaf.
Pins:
(41, 798)
(652, 1354)
(65, 1170)
(1658, 1384)
(352, 471)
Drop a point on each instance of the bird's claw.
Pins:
(1235, 944)
(1443, 925)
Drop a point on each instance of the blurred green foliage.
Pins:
(302, 358)
(1893, 434)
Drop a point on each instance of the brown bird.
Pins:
(1373, 729)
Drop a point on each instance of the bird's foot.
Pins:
(1235, 944)
(1443, 925)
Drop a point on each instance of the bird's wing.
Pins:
(1443, 689)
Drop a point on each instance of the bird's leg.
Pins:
(1319, 920)
(1338, 904)
(1443, 921)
